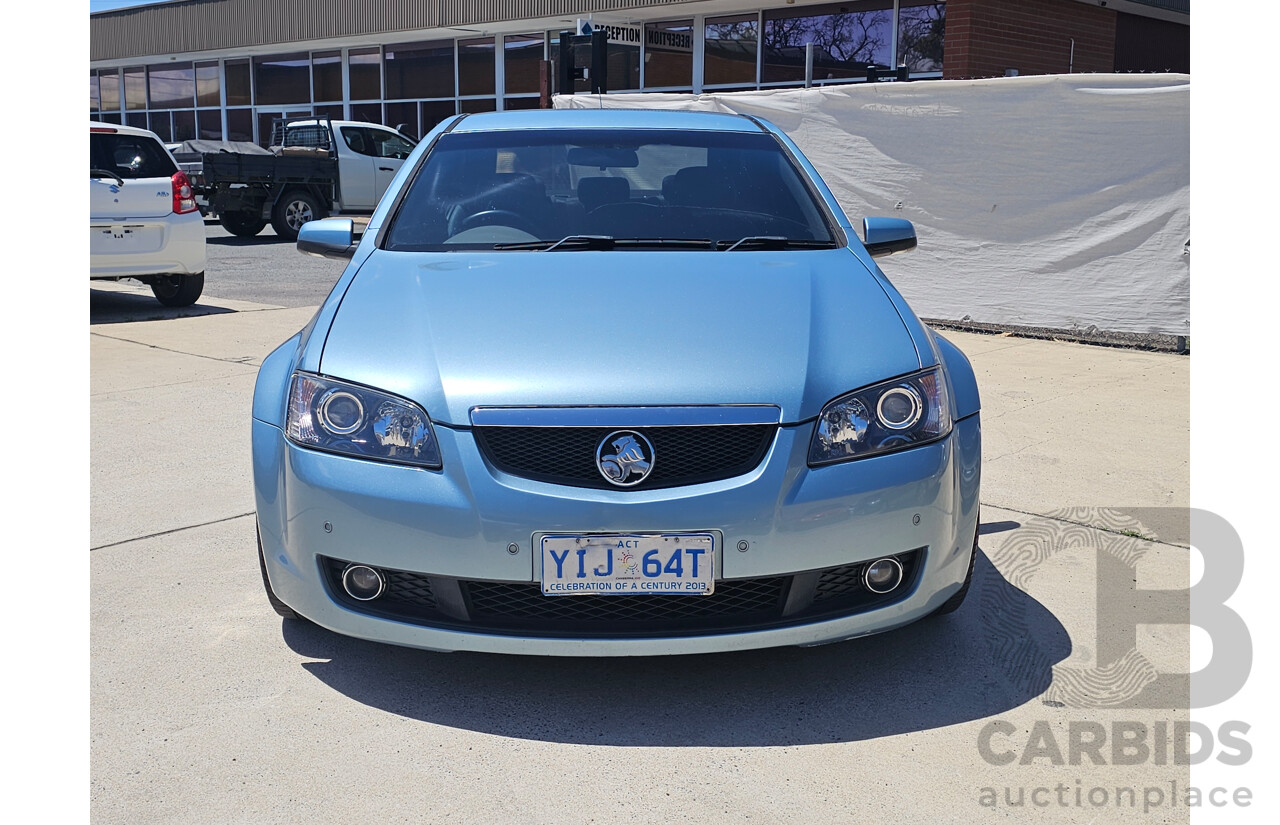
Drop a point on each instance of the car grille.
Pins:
(682, 455)
(520, 608)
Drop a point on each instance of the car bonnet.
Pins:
(453, 331)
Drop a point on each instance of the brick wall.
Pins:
(986, 37)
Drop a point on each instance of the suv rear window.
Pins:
(478, 190)
(129, 156)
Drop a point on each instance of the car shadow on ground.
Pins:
(994, 654)
(265, 239)
(992, 527)
(110, 307)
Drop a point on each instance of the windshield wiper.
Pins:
(103, 173)
(771, 242)
(568, 241)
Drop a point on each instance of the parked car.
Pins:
(315, 167)
(143, 219)
(614, 383)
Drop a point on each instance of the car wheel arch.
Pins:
(964, 383)
(271, 391)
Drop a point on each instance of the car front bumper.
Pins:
(474, 525)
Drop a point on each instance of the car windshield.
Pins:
(604, 188)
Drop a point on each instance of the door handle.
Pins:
(385, 169)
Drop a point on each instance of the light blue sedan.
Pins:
(602, 383)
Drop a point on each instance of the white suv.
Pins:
(143, 219)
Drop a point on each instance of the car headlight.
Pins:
(346, 418)
(894, 415)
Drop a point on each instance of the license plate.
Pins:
(629, 565)
(108, 240)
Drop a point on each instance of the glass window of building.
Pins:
(95, 103)
(364, 70)
(238, 83)
(513, 103)
(209, 124)
(326, 75)
(522, 55)
(476, 67)
(846, 38)
(135, 89)
(171, 85)
(434, 111)
(418, 70)
(159, 123)
(333, 110)
(240, 124)
(208, 86)
(184, 125)
(403, 116)
(476, 105)
(668, 55)
(366, 112)
(920, 29)
(730, 50)
(109, 89)
(282, 79)
(624, 58)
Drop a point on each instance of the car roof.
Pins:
(321, 121)
(606, 119)
(122, 129)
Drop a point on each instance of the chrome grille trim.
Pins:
(723, 415)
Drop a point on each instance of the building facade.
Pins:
(226, 69)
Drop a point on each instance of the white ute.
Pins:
(143, 219)
(314, 168)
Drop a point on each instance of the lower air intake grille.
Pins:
(519, 608)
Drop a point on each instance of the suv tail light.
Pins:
(184, 197)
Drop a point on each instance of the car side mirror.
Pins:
(328, 238)
(885, 236)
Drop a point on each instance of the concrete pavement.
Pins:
(206, 708)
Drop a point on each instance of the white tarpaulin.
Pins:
(1057, 201)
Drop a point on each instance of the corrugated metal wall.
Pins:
(462, 12)
(200, 25)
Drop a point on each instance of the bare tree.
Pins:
(920, 36)
(848, 37)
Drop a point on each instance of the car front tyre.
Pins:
(952, 604)
(278, 606)
(178, 290)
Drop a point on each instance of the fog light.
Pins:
(882, 575)
(362, 583)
